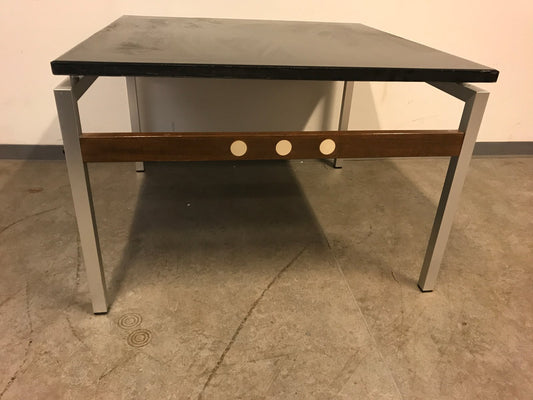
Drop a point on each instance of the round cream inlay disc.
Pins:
(283, 147)
(238, 148)
(327, 146)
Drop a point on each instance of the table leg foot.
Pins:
(338, 163)
(424, 291)
(139, 166)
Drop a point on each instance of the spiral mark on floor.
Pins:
(139, 337)
(129, 321)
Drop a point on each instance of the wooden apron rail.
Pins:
(194, 146)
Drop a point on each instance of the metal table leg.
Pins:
(475, 101)
(344, 119)
(135, 116)
(66, 96)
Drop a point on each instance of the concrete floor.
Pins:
(268, 280)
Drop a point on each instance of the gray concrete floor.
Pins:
(268, 280)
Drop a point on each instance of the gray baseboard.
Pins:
(55, 152)
(503, 149)
(31, 152)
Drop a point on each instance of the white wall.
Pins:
(498, 34)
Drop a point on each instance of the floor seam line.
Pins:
(347, 284)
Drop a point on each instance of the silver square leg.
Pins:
(344, 119)
(475, 101)
(135, 116)
(66, 96)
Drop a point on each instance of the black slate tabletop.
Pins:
(227, 48)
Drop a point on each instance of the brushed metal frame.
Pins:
(71, 89)
(67, 95)
(344, 117)
(135, 114)
(475, 102)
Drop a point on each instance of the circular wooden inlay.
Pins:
(238, 148)
(327, 146)
(283, 147)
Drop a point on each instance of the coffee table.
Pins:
(139, 46)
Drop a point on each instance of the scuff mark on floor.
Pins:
(243, 321)
(28, 346)
(78, 261)
(157, 360)
(346, 373)
(370, 233)
(75, 334)
(114, 367)
(10, 297)
(394, 276)
(18, 221)
(30, 323)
